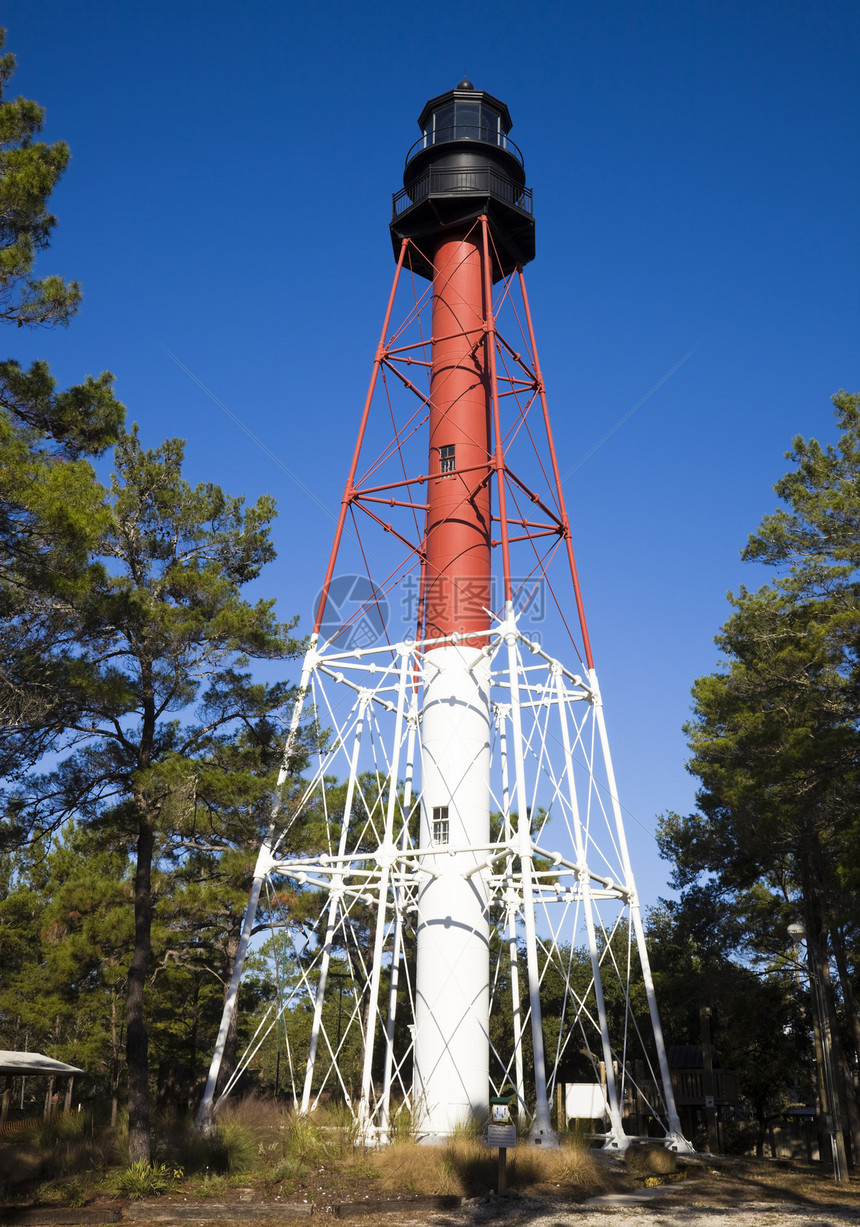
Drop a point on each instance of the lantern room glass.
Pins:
(465, 120)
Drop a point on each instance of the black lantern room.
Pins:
(464, 164)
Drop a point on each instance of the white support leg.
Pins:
(205, 1120)
(336, 898)
(512, 902)
(675, 1138)
(619, 1138)
(542, 1131)
(385, 858)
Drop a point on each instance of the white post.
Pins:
(205, 1120)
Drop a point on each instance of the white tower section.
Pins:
(452, 1002)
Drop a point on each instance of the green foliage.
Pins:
(51, 508)
(144, 1179)
(170, 758)
(65, 928)
(756, 1026)
(287, 1170)
(775, 742)
(62, 1154)
(61, 1127)
(237, 1147)
(29, 172)
(74, 1194)
(306, 1142)
(816, 536)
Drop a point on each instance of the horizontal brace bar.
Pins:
(389, 502)
(549, 532)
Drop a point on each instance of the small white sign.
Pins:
(503, 1136)
(709, 1101)
(585, 1101)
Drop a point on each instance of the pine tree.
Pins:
(50, 502)
(163, 684)
(775, 738)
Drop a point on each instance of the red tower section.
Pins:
(458, 528)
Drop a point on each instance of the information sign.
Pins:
(503, 1136)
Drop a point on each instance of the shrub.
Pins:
(287, 1169)
(74, 1194)
(142, 1179)
(649, 1159)
(236, 1145)
(306, 1142)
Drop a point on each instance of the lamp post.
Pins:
(830, 1104)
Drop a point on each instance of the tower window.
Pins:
(440, 824)
(447, 463)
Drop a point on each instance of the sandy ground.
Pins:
(666, 1211)
(727, 1196)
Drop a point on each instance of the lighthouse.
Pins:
(463, 171)
(473, 848)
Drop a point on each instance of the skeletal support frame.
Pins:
(553, 873)
(566, 865)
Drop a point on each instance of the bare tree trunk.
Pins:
(847, 987)
(761, 1133)
(816, 886)
(849, 1111)
(192, 1059)
(832, 1051)
(137, 1041)
(821, 1134)
(49, 1099)
(114, 1061)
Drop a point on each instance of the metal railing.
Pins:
(484, 181)
(466, 132)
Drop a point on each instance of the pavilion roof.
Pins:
(33, 1063)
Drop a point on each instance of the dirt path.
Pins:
(667, 1211)
(742, 1195)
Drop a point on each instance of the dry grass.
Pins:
(466, 1167)
(260, 1138)
(572, 1165)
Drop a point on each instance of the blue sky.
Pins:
(695, 181)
